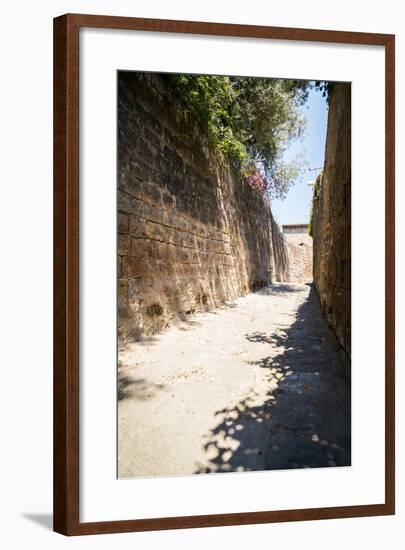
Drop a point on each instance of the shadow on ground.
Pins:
(276, 290)
(135, 388)
(303, 419)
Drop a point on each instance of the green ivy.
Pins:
(315, 196)
(250, 120)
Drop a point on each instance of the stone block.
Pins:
(151, 193)
(172, 220)
(122, 223)
(165, 218)
(170, 235)
(153, 213)
(194, 257)
(137, 208)
(189, 240)
(156, 231)
(159, 250)
(124, 203)
(123, 244)
(152, 140)
(183, 256)
(131, 186)
(122, 290)
(140, 248)
(139, 289)
(137, 267)
(171, 254)
(176, 237)
(166, 268)
(168, 200)
(138, 227)
(140, 170)
(182, 223)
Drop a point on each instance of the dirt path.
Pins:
(259, 384)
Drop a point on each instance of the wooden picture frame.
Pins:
(66, 273)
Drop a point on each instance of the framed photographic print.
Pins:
(223, 352)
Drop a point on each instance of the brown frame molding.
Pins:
(66, 272)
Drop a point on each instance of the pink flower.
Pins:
(257, 182)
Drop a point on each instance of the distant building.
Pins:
(295, 229)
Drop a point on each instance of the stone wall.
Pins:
(299, 254)
(332, 218)
(191, 233)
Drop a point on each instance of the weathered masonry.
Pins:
(332, 218)
(299, 252)
(191, 233)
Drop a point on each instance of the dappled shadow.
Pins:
(259, 337)
(302, 417)
(135, 388)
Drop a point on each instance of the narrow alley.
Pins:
(258, 384)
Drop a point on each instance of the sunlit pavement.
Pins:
(258, 384)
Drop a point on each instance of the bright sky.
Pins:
(295, 208)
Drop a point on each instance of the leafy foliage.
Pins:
(251, 121)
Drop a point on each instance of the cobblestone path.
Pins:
(258, 384)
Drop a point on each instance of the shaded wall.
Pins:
(332, 218)
(191, 233)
